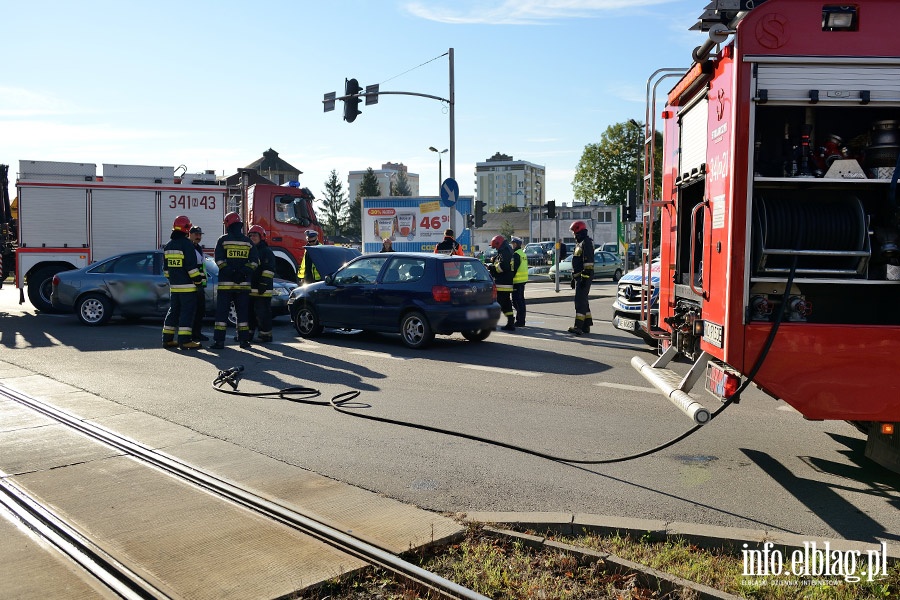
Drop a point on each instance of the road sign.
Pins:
(449, 192)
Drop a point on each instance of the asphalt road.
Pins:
(759, 465)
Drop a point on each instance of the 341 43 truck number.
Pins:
(185, 202)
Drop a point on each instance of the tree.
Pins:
(335, 206)
(507, 208)
(368, 188)
(609, 169)
(401, 185)
(507, 230)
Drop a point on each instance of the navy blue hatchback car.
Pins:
(416, 294)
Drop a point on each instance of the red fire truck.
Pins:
(70, 216)
(779, 213)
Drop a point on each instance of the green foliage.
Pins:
(607, 170)
(400, 185)
(368, 187)
(508, 208)
(507, 230)
(335, 207)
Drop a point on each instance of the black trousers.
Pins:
(518, 302)
(199, 313)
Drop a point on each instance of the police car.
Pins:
(627, 305)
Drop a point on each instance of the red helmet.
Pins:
(258, 229)
(497, 241)
(578, 226)
(182, 224)
(232, 218)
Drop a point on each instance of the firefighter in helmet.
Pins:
(503, 270)
(184, 277)
(237, 259)
(261, 286)
(582, 276)
(307, 273)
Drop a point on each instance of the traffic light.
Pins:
(630, 210)
(551, 209)
(351, 103)
(479, 214)
(470, 221)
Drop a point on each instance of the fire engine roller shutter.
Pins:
(792, 81)
(122, 221)
(694, 119)
(53, 217)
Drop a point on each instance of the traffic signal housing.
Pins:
(630, 209)
(550, 213)
(470, 221)
(479, 214)
(351, 102)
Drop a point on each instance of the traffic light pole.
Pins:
(329, 104)
(558, 244)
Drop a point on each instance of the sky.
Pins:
(212, 85)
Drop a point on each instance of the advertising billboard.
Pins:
(414, 224)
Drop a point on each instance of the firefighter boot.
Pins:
(264, 338)
(510, 324)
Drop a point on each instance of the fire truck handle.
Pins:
(691, 278)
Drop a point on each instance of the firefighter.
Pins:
(196, 237)
(582, 276)
(449, 245)
(261, 287)
(237, 259)
(184, 277)
(519, 280)
(307, 273)
(503, 271)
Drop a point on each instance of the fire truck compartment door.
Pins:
(123, 221)
(836, 80)
(694, 134)
(52, 217)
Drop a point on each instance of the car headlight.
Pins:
(280, 291)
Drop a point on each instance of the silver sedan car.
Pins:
(132, 285)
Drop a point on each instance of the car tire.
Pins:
(617, 275)
(40, 286)
(415, 330)
(93, 309)
(306, 322)
(476, 335)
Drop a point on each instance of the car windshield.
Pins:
(364, 270)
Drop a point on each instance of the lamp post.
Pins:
(638, 191)
(440, 177)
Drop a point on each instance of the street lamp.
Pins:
(440, 177)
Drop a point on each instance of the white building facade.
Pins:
(502, 181)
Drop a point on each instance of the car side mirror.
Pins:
(329, 279)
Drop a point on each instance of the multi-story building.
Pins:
(387, 178)
(502, 181)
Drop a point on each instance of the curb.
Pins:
(704, 536)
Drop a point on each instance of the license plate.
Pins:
(626, 324)
(477, 313)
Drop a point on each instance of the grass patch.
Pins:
(503, 568)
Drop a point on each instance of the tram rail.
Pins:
(130, 585)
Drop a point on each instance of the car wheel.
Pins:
(93, 309)
(617, 275)
(476, 335)
(40, 286)
(415, 330)
(306, 322)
